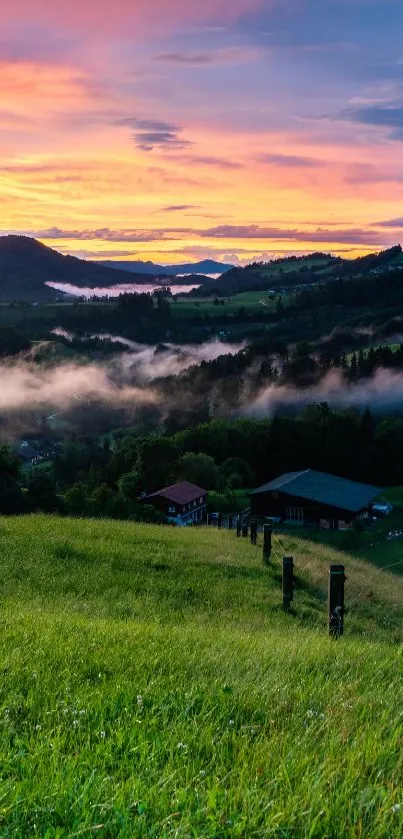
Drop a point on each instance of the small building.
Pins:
(182, 503)
(311, 497)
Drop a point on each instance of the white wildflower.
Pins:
(139, 700)
(231, 723)
(396, 808)
(102, 734)
(182, 747)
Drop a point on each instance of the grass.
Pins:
(153, 687)
(252, 301)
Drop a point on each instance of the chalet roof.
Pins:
(182, 493)
(323, 488)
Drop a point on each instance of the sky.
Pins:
(175, 130)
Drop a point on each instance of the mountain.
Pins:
(26, 265)
(206, 266)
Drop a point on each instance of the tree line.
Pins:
(108, 477)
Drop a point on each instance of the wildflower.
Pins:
(231, 723)
(75, 723)
(102, 734)
(396, 808)
(182, 746)
(82, 713)
(139, 700)
(38, 727)
(310, 714)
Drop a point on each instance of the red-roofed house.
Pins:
(182, 503)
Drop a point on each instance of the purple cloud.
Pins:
(254, 231)
(151, 133)
(290, 161)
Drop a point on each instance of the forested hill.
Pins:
(298, 271)
(26, 265)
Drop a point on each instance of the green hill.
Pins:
(152, 686)
(292, 272)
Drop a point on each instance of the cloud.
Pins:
(226, 55)
(290, 161)
(383, 115)
(176, 208)
(391, 223)
(125, 16)
(151, 133)
(254, 231)
(105, 234)
(210, 160)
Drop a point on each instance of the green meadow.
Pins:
(153, 687)
(251, 301)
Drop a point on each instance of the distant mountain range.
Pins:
(26, 266)
(206, 266)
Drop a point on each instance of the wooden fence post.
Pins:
(238, 526)
(219, 521)
(245, 528)
(267, 532)
(288, 581)
(337, 579)
(230, 521)
(253, 531)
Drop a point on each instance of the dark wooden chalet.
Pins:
(184, 503)
(311, 497)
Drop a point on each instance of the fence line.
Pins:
(275, 547)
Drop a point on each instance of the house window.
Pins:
(171, 509)
(194, 503)
(201, 500)
(295, 514)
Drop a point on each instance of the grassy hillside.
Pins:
(153, 687)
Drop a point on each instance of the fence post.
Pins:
(238, 526)
(337, 579)
(288, 581)
(219, 521)
(230, 521)
(245, 528)
(253, 531)
(267, 532)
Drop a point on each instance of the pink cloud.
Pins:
(148, 14)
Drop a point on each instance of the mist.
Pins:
(147, 364)
(25, 386)
(382, 393)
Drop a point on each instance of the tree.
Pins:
(11, 497)
(42, 493)
(238, 472)
(130, 485)
(157, 462)
(199, 469)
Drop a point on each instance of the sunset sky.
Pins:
(176, 129)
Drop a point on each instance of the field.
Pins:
(152, 686)
(252, 301)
